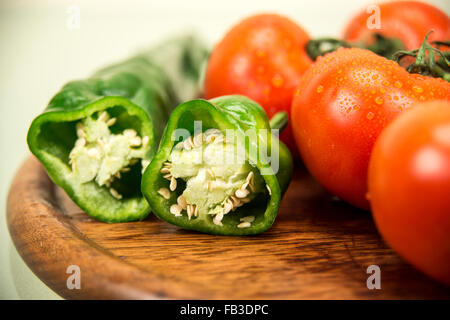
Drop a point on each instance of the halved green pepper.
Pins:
(219, 169)
(97, 135)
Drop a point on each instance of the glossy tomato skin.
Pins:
(340, 107)
(263, 58)
(408, 21)
(409, 187)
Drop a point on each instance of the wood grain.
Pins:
(318, 248)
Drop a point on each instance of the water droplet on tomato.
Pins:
(319, 89)
(379, 100)
(398, 84)
(417, 89)
(277, 81)
(370, 115)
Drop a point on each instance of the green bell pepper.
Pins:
(97, 135)
(219, 169)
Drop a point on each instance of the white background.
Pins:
(39, 53)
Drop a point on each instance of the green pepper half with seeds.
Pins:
(97, 135)
(219, 169)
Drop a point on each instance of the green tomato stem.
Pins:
(279, 121)
(425, 60)
(381, 45)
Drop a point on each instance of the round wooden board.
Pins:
(318, 248)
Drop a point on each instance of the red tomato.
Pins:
(263, 58)
(409, 187)
(342, 104)
(408, 21)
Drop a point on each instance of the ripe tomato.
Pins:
(263, 58)
(408, 21)
(340, 107)
(409, 187)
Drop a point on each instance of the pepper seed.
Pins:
(104, 116)
(248, 219)
(241, 193)
(165, 170)
(244, 224)
(218, 219)
(175, 210)
(198, 140)
(228, 206)
(136, 141)
(130, 133)
(111, 122)
(165, 193)
(187, 144)
(145, 141)
(173, 184)
(115, 194)
(190, 210)
(182, 202)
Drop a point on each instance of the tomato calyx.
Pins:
(425, 62)
(321, 46)
(381, 45)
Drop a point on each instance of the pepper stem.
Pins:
(279, 121)
(425, 60)
(381, 45)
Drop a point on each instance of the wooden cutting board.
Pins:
(318, 248)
